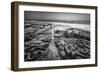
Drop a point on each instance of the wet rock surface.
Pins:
(43, 42)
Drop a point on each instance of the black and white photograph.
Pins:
(56, 36)
(53, 36)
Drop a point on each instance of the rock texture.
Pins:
(55, 42)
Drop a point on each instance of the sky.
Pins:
(58, 16)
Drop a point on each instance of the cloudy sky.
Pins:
(56, 16)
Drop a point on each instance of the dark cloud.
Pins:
(56, 16)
